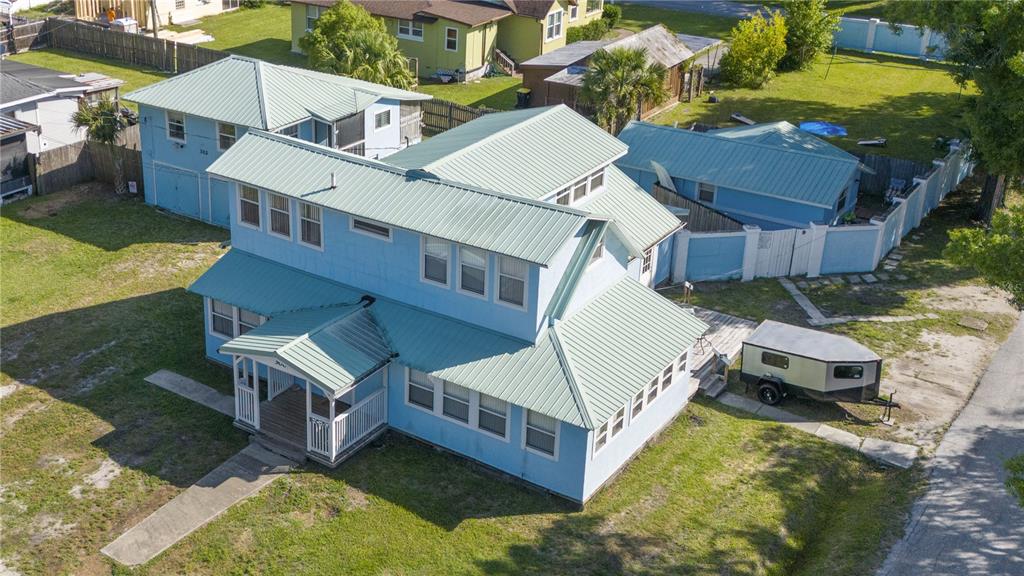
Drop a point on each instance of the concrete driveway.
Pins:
(968, 523)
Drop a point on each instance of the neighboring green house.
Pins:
(465, 39)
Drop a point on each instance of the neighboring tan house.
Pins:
(189, 120)
(47, 99)
(557, 77)
(451, 296)
(463, 40)
(168, 11)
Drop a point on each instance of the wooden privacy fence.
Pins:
(440, 115)
(59, 168)
(22, 37)
(886, 168)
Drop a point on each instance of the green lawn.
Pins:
(93, 301)
(264, 33)
(497, 92)
(638, 17)
(907, 101)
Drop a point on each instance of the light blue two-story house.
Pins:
(480, 292)
(770, 175)
(190, 120)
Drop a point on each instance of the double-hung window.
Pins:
(451, 39)
(541, 433)
(222, 318)
(421, 389)
(311, 225)
(226, 135)
(367, 227)
(312, 13)
(601, 437)
(280, 215)
(594, 6)
(681, 364)
(176, 126)
(456, 402)
(247, 321)
(574, 12)
(618, 422)
(436, 253)
(473, 270)
(554, 27)
(666, 376)
(382, 119)
(249, 205)
(638, 403)
(579, 190)
(512, 281)
(410, 30)
(492, 415)
(652, 390)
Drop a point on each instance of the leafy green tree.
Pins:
(809, 31)
(997, 253)
(1015, 482)
(102, 122)
(986, 46)
(618, 81)
(348, 40)
(611, 14)
(757, 46)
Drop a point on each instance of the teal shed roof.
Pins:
(579, 371)
(783, 135)
(773, 169)
(253, 93)
(530, 230)
(532, 152)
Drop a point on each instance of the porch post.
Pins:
(330, 427)
(256, 390)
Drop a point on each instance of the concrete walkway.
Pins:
(237, 478)
(968, 522)
(195, 391)
(816, 318)
(893, 453)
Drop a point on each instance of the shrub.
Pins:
(809, 30)
(594, 30)
(611, 14)
(253, 3)
(758, 44)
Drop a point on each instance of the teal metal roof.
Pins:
(579, 371)
(335, 346)
(532, 152)
(620, 340)
(253, 93)
(637, 218)
(766, 169)
(784, 135)
(268, 288)
(502, 223)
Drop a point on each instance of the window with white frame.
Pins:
(226, 135)
(666, 376)
(681, 363)
(554, 27)
(492, 415)
(594, 5)
(473, 270)
(312, 13)
(421, 389)
(541, 433)
(618, 422)
(310, 225)
(706, 192)
(222, 318)
(455, 401)
(598, 251)
(249, 205)
(597, 180)
(645, 266)
(579, 190)
(247, 321)
(638, 403)
(280, 215)
(382, 119)
(512, 280)
(562, 196)
(292, 131)
(574, 12)
(176, 126)
(652, 390)
(601, 437)
(367, 227)
(436, 253)
(410, 30)
(451, 39)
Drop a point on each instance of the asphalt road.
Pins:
(967, 522)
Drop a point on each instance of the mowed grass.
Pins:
(637, 17)
(909, 102)
(93, 302)
(498, 92)
(264, 33)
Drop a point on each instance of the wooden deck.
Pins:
(284, 417)
(726, 334)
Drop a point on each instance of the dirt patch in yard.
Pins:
(48, 526)
(971, 298)
(100, 479)
(57, 201)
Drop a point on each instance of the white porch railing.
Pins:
(351, 425)
(277, 382)
(247, 408)
(318, 436)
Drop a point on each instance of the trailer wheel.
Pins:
(769, 392)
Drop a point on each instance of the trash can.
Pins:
(523, 98)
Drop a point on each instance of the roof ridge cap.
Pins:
(490, 137)
(570, 376)
(261, 93)
(712, 136)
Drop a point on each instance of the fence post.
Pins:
(818, 234)
(879, 227)
(753, 233)
(903, 219)
(926, 37)
(921, 187)
(679, 256)
(869, 43)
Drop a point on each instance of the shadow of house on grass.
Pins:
(273, 50)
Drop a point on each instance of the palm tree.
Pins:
(102, 122)
(375, 57)
(618, 81)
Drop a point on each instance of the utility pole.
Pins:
(156, 17)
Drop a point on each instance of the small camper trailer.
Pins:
(780, 359)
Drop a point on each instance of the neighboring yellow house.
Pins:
(464, 39)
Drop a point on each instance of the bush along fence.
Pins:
(819, 249)
(875, 35)
(94, 40)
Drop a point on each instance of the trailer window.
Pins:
(848, 372)
(776, 360)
